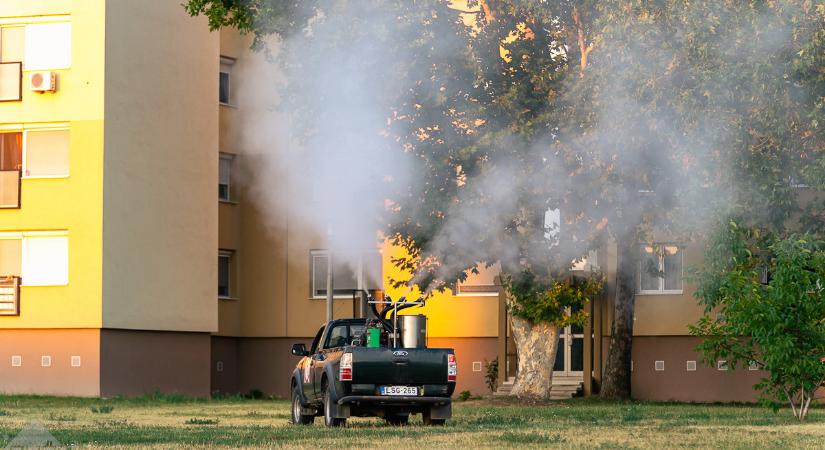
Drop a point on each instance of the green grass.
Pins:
(176, 422)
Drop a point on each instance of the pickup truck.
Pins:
(339, 377)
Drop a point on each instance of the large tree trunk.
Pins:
(617, 372)
(536, 345)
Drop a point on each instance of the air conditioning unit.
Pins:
(43, 81)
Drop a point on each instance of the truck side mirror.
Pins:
(299, 350)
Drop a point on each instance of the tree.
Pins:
(689, 111)
(471, 108)
(764, 306)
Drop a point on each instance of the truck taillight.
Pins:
(345, 371)
(452, 368)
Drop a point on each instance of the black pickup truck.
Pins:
(341, 375)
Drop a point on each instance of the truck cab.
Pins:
(343, 375)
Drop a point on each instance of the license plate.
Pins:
(399, 390)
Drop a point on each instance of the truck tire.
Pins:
(328, 419)
(397, 419)
(429, 421)
(297, 417)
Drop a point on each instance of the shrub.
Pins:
(491, 374)
(764, 299)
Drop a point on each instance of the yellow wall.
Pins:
(73, 203)
(160, 169)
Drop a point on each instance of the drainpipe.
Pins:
(329, 285)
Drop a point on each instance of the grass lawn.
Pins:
(169, 422)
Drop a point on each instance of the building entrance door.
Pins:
(570, 356)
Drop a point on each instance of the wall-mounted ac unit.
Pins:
(43, 81)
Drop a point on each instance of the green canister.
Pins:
(373, 337)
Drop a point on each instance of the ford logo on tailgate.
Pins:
(400, 353)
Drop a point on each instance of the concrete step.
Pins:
(563, 387)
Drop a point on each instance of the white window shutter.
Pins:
(48, 46)
(46, 261)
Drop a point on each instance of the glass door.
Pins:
(570, 356)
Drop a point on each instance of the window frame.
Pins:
(231, 159)
(360, 278)
(226, 67)
(661, 259)
(230, 280)
(23, 236)
(25, 129)
(492, 293)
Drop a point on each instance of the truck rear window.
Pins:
(342, 335)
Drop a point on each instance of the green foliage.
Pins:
(464, 396)
(560, 303)
(778, 324)
(491, 374)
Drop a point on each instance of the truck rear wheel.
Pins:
(329, 420)
(298, 418)
(429, 421)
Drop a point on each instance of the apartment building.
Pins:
(107, 227)
(122, 272)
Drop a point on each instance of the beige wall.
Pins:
(160, 168)
(661, 315)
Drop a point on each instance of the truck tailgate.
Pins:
(399, 366)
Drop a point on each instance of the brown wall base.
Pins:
(675, 383)
(243, 365)
(467, 352)
(58, 378)
(142, 362)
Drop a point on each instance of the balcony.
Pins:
(10, 296)
(9, 189)
(11, 81)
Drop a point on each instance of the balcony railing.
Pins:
(9, 189)
(10, 296)
(11, 81)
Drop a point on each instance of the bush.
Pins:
(491, 374)
(464, 396)
(764, 299)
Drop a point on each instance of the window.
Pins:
(224, 80)
(48, 46)
(11, 257)
(225, 274)
(351, 272)
(47, 153)
(660, 269)
(11, 151)
(38, 153)
(313, 348)
(481, 283)
(225, 176)
(587, 263)
(343, 334)
(39, 258)
(11, 62)
(12, 47)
